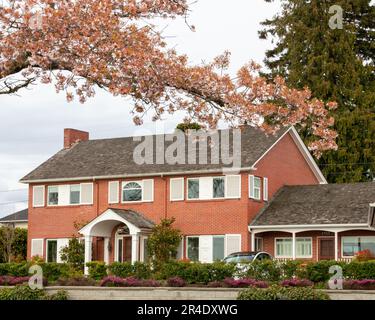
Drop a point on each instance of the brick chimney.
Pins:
(72, 136)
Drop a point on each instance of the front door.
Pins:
(326, 249)
(127, 254)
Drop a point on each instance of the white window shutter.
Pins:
(251, 187)
(37, 247)
(38, 196)
(61, 243)
(180, 250)
(265, 189)
(113, 192)
(233, 186)
(205, 188)
(232, 243)
(87, 193)
(205, 249)
(148, 190)
(176, 189)
(64, 195)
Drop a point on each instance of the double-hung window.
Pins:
(218, 187)
(304, 248)
(53, 195)
(75, 194)
(193, 188)
(284, 247)
(193, 248)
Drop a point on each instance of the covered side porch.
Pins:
(123, 234)
(315, 243)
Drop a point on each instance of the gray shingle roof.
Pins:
(114, 157)
(318, 204)
(134, 218)
(17, 216)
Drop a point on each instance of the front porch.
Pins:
(123, 234)
(313, 243)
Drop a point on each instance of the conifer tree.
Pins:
(337, 65)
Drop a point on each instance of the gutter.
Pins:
(139, 175)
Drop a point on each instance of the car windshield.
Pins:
(240, 258)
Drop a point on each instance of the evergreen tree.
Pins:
(337, 65)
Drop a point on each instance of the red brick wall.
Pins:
(283, 165)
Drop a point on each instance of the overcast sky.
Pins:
(32, 123)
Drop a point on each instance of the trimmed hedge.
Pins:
(26, 293)
(282, 293)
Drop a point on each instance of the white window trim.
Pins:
(342, 244)
(141, 183)
(291, 256)
(152, 193)
(80, 194)
(117, 193)
(261, 240)
(170, 189)
(48, 204)
(37, 239)
(240, 186)
(44, 196)
(225, 188)
(252, 187)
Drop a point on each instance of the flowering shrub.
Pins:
(176, 282)
(364, 255)
(113, 281)
(366, 284)
(12, 281)
(244, 283)
(297, 283)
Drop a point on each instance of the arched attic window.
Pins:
(132, 191)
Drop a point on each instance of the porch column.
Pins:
(135, 247)
(252, 240)
(88, 252)
(106, 250)
(294, 245)
(336, 246)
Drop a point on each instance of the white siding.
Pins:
(38, 196)
(61, 243)
(232, 243)
(265, 189)
(148, 190)
(233, 186)
(176, 189)
(205, 188)
(113, 192)
(64, 195)
(87, 192)
(37, 247)
(205, 248)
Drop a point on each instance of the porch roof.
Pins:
(134, 218)
(330, 204)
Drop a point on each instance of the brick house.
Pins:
(219, 209)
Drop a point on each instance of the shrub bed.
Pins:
(282, 293)
(366, 284)
(112, 281)
(297, 283)
(24, 292)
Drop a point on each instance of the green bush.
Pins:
(97, 270)
(53, 271)
(121, 269)
(282, 293)
(14, 269)
(196, 272)
(359, 270)
(266, 270)
(26, 293)
(319, 271)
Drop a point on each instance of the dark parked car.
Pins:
(249, 256)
